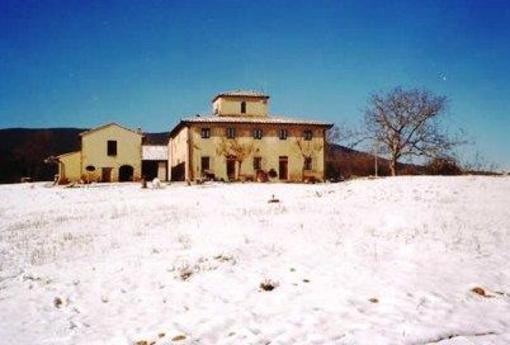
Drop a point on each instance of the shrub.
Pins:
(57, 302)
(311, 180)
(443, 166)
(268, 285)
(63, 180)
(261, 176)
(179, 337)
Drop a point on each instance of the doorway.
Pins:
(283, 169)
(126, 173)
(106, 174)
(231, 168)
(149, 170)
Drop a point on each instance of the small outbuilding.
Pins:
(108, 153)
(155, 162)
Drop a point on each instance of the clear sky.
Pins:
(148, 63)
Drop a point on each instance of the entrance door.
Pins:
(283, 171)
(162, 171)
(106, 174)
(231, 168)
(149, 170)
(126, 173)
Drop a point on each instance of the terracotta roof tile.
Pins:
(241, 93)
(108, 125)
(255, 120)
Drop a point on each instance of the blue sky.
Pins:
(148, 63)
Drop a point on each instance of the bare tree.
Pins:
(308, 150)
(345, 135)
(239, 151)
(478, 163)
(407, 123)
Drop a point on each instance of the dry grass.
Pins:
(481, 292)
(268, 285)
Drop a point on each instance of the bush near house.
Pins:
(443, 166)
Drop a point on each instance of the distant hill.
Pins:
(348, 162)
(23, 150)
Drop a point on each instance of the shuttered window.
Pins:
(231, 133)
(283, 133)
(111, 148)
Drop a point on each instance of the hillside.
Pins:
(348, 162)
(387, 261)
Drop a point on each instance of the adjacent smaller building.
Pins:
(112, 153)
(154, 162)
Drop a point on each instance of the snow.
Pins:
(154, 152)
(117, 264)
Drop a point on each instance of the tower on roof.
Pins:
(240, 103)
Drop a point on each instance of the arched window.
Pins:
(243, 107)
(90, 168)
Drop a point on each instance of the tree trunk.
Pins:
(238, 177)
(393, 166)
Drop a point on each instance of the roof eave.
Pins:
(177, 128)
(239, 96)
(223, 121)
(108, 125)
(68, 154)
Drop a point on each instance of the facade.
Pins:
(240, 141)
(108, 153)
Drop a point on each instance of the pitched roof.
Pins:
(262, 120)
(241, 93)
(154, 152)
(68, 154)
(108, 125)
(254, 119)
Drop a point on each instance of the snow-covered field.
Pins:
(389, 261)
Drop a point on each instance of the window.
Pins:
(90, 168)
(205, 133)
(205, 163)
(308, 163)
(243, 107)
(257, 163)
(257, 133)
(111, 148)
(283, 134)
(307, 134)
(231, 133)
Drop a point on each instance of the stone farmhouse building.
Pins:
(239, 141)
(112, 153)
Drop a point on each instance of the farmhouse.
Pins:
(240, 141)
(113, 153)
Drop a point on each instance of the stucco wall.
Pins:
(94, 151)
(178, 154)
(232, 106)
(269, 148)
(69, 167)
